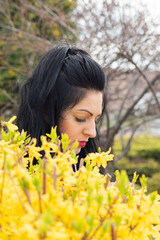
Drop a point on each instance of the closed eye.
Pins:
(80, 120)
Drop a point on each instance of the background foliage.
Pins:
(28, 30)
(142, 158)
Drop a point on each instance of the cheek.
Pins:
(63, 126)
(66, 127)
(71, 128)
(77, 150)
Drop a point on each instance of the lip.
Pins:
(82, 144)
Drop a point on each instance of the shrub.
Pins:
(50, 201)
(145, 146)
(148, 168)
(153, 183)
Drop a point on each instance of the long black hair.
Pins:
(60, 81)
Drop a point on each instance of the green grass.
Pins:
(143, 158)
(145, 146)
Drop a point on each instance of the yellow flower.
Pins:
(56, 32)
(12, 73)
(11, 127)
(98, 159)
(33, 150)
(48, 146)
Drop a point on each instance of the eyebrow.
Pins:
(85, 110)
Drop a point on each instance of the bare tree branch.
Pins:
(25, 34)
(128, 112)
(143, 75)
(126, 148)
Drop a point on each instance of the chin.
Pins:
(77, 150)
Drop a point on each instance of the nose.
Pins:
(90, 130)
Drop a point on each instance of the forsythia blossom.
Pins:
(10, 125)
(51, 201)
(98, 159)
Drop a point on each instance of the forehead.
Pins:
(91, 102)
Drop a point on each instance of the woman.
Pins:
(65, 90)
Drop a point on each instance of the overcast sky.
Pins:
(154, 8)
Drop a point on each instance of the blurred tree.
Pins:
(123, 38)
(28, 30)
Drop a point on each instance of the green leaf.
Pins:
(90, 220)
(24, 183)
(118, 220)
(65, 142)
(135, 177)
(110, 198)
(47, 220)
(106, 225)
(47, 217)
(153, 196)
(8, 164)
(99, 150)
(99, 200)
(37, 183)
(75, 145)
(78, 225)
(122, 181)
(89, 198)
(74, 195)
(88, 166)
(53, 135)
(97, 185)
(143, 181)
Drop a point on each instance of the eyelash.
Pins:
(80, 120)
(83, 120)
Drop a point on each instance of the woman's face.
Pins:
(79, 122)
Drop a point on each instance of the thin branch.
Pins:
(44, 178)
(149, 85)
(128, 112)
(108, 122)
(127, 147)
(8, 96)
(144, 77)
(50, 15)
(126, 96)
(25, 33)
